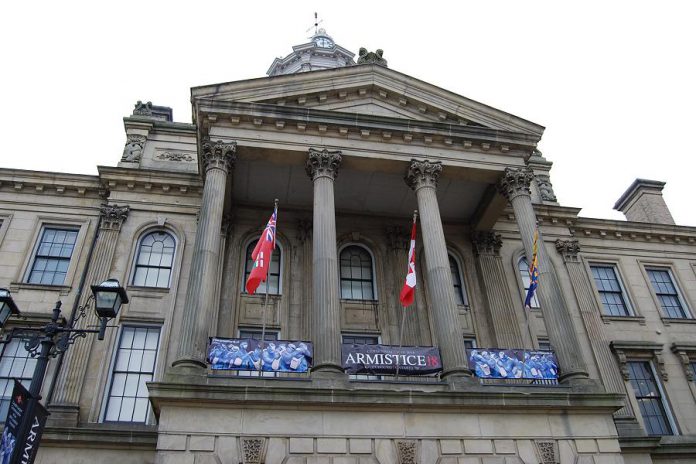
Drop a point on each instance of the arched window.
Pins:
(153, 263)
(523, 266)
(357, 278)
(460, 295)
(273, 278)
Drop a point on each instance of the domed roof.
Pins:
(321, 52)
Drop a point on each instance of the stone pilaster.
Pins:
(422, 177)
(64, 403)
(590, 312)
(217, 159)
(322, 167)
(515, 186)
(489, 264)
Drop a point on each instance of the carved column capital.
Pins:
(113, 216)
(515, 182)
(487, 243)
(423, 173)
(323, 163)
(218, 155)
(569, 249)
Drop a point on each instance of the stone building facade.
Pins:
(349, 150)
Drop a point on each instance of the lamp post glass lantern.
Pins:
(7, 306)
(108, 298)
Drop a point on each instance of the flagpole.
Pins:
(265, 299)
(403, 314)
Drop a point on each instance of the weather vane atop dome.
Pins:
(316, 24)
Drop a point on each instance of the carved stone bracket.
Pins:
(323, 163)
(218, 155)
(253, 450)
(487, 243)
(685, 353)
(133, 150)
(569, 249)
(515, 182)
(304, 230)
(398, 237)
(365, 57)
(113, 216)
(423, 173)
(545, 188)
(547, 451)
(406, 451)
(646, 351)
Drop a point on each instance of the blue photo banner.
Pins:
(494, 363)
(247, 354)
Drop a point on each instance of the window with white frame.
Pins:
(649, 397)
(523, 267)
(356, 274)
(273, 278)
(52, 255)
(610, 289)
(460, 295)
(361, 339)
(255, 334)
(134, 365)
(154, 260)
(15, 363)
(671, 302)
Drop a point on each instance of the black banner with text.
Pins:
(12, 441)
(384, 359)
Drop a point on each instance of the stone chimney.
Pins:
(643, 202)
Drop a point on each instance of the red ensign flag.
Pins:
(262, 255)
(408, 292)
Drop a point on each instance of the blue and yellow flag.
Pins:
(533, 273)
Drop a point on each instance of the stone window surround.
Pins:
(81, 224)
(141, 231)
(375, 289)
(134, 264)
(639, 351)
(462, 279)
(686, 352)
(645, 265)
(5, 220)
(634, 313)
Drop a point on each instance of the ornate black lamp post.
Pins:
(55, 338)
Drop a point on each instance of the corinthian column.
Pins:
(218, 158)
(504, 323)
(590, 312)
(322, 168)
(66, 395)
(514, 185)
(422, 177)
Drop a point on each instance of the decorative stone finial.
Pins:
(487, 243)
(113, 216)
(323, 163)
(218, 154)
(423, 173)
(515, 182)
(365, 57)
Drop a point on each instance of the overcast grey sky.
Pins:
(613, 82)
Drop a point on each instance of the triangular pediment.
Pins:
(368, 90)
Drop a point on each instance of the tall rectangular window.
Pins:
(52, 256)
(649, 398)
(667, 294)
(15, 363)
(610, 290)
(134, 365)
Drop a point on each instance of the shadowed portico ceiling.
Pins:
(258, 182)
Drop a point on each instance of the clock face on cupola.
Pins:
(322, 39)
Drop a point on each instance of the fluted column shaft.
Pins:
(322, 168)
(590, 312)
(504, 323)
(559, 324)
(217, 158)
(422, 177)
(74, 368)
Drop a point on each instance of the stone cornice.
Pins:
(161, 126)
(425, 397)
(633, 231)
(150, 181)
(113, 436)
(50, 183)
(384, 128)
(460, 107)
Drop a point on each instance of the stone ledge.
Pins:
(124, 436)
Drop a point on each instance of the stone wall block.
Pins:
(493, 460)
(171, 442)
(608, 445)
(201, 443)
(469, 460)
(360, 446)
(451, 446)
(478, 446)
(345, 460)
(428, 451)
(206, 458)
(385, 452)
(504, 446)
(302, 445)
(174, 458)
(331, 445)
(295, 460)
(318, 460)
(228, 448)
(566, 452)
(276, 450)
(449, 460)
(586, 446)
(368, 460)
(527, 452)
(513, 460)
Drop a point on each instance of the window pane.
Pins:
(357, 282)
(667, 295)
(14, 363)
(153, 264)
(610, 291)
(649, 399)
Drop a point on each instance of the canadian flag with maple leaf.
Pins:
(408, 291)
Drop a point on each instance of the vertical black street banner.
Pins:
(13, 443)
